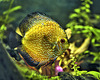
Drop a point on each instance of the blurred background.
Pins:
(59, 10)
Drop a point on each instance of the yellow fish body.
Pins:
(42, 38)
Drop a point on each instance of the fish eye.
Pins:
(62, 40)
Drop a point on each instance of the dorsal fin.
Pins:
(31, 20)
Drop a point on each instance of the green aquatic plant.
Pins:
(95, 74)
(5, 18)
(95, 54)
(30, 74)
(81, 23)
(80, 17)
(75, 67)
(76, 72)
(2, 29)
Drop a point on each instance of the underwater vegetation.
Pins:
(42, 50)
(84, 23)
(5, 18)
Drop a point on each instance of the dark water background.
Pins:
(59, 10)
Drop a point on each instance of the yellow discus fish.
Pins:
(42, 38)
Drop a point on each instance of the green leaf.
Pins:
(95, 74)
(12, 10)
(77, 10)
(73, 15)
(97, 16)
(79, 26)
(96, 56)
(83, 8)
(93, 40)
(82, 27)
(98, 30)
(81, 20)
(87, 6)
(85, 31)
(3, 27)
(87, 10)
(82, 72)
(95, 32)
(91, 2)
(96, 45)
(86, 51)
